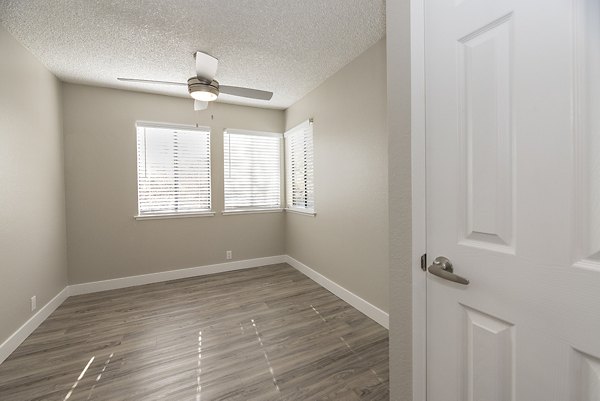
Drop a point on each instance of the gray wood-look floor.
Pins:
(268, 333)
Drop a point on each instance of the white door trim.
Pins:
(419, 200)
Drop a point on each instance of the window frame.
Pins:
(174, 215)
(254, 210)
(307, 124)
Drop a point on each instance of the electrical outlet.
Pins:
(33, 303)
(228, 255)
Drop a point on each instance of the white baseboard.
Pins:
(12, 342)
(113, 284)
(365, 307)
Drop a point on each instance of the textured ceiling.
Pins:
(285, 46)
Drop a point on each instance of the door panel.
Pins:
(513, 199)
(489, 357)
(586, 378)
(587, 131)
(485, 132)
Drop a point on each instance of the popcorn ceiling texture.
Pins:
(286, 46)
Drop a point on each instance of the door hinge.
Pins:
(424, 262)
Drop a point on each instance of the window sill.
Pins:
(173, 216)
(249, 211)
(300, 211)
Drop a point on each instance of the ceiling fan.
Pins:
(203, 87)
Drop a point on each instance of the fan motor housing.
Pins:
(196, 84)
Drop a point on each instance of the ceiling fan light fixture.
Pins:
(203, 90)
(204, 96)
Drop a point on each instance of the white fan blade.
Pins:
(148, 81)
(200, 105)
(206, 66)
(245, 92)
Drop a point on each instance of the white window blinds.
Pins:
(173, 170)
(299, 168)
(252, 170)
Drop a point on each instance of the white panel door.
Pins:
(513, 199)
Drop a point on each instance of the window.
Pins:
(173, 165)
(299, 168)
(252, 171)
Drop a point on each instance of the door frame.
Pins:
(419, 200)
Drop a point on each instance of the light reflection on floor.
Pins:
(100, 376)
(262, 347)
(79, 378)
(348, 345)
(199, 371)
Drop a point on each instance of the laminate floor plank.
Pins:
(262, 334)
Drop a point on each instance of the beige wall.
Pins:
(347, 241)
(100, 145)
(398, 62)
(32, 198)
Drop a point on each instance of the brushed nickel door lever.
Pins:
(442, 267)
